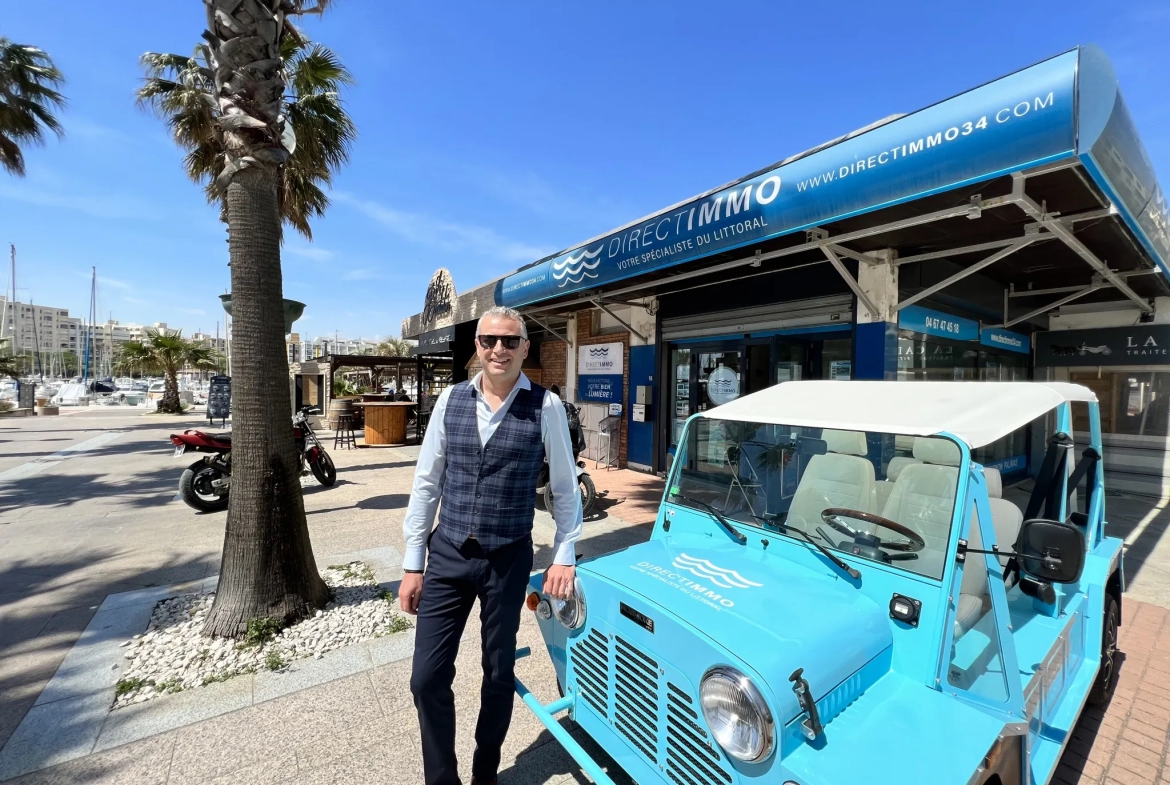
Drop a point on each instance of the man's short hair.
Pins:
(503, 312)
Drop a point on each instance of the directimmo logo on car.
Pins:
(717, 577)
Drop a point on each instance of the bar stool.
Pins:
(343, 435)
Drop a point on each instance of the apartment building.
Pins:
(30, 328)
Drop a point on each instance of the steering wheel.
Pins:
(832, 517)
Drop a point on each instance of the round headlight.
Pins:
(571, 612)
(736, 714)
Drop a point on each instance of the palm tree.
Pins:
(166, 352)
(393, 347)
(180, 89)
(10, 364)
(28, 96)
(236, 126)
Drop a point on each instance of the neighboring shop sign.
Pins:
(219, 398)
(436, 341)
(1005, 339)
(722, 385)
(599, 372)
(1016, 463)
(1140, 344)
(928, 322)
(1004, 125)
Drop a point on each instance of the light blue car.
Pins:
(836, 593)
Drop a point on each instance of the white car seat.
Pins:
(883, 488)
(842, 477)
(1006, 518)
(923, 499)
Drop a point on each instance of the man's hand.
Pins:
(558, 580)
(409, 592)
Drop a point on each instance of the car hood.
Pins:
(771, 614)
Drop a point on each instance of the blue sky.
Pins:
(494, 133)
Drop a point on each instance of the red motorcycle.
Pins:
(205, 483)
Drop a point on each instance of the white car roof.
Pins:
(976, 412)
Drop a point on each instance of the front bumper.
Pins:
(547, 716)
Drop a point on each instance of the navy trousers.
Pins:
(456, 575)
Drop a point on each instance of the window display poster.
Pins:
(839, 370)
(599, 372)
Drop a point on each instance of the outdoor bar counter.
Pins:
(385, 421)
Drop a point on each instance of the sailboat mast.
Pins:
(89, 333)
(10, 300)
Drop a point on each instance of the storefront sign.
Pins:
(1020, 120)
(924, 320)
(436, 341)
(722, 385)
(1140, 344)
(1005, 339)
(599, 372)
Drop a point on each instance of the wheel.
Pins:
(588, 494)
(1107, 676)
(323, 469)
(195, 488)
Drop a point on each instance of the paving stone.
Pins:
(174, 711)
(54, 732)
(146, 762)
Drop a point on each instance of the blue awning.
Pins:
(1066, 106)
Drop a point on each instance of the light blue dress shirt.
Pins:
(432, 462)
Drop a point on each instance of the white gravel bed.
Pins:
(172, 655)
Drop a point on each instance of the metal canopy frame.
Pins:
(1044, 227)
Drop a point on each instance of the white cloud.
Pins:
(449, 236)
(364, 274)
(134, 301)
(310, 252)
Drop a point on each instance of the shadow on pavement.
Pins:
(55, 491)
(46, 603)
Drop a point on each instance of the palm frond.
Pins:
(28, 101)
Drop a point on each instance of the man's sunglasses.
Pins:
(509, 341)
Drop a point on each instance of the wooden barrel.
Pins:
(339, 406)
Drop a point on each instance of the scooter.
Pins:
(205, 484)
(584, 481)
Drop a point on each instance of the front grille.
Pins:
(591, 663)
(623, 684)
(635, 702)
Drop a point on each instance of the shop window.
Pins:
(604, 324)
(1134, 403)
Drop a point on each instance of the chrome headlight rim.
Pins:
(577, 600)
(754, 697)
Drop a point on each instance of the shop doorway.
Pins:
(704, 374)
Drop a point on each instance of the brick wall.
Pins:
(553, 356)
(585, 337)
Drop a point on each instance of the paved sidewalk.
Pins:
(630, 495)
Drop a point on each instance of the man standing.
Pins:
(482, 453)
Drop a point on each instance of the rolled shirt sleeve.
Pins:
(428, 483)
(554, 425)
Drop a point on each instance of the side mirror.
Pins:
(1051, 551)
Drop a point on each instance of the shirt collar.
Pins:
(522, 383)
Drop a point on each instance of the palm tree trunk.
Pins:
(268, 569)
(170, 400)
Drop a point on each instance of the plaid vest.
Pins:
(489, 492)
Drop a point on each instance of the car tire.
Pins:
(200, 472)
(323, 469)
(1106, 680)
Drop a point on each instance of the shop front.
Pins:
(1128, 368)
(927, 246)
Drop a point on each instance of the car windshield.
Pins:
(879, 496)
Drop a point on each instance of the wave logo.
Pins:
(602, 352)
(575, 269)
(728, 579)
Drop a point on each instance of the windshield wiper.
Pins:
(740, 537)
(784, 528)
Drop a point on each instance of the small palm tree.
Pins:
(167, 352)
(28, 96)
(10, 364)
(393, 347)
(317, 131)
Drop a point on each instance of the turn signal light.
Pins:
(532, 601)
